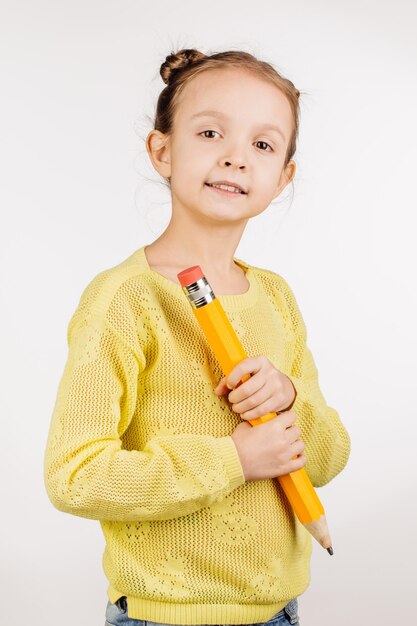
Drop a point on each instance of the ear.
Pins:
(286, 177)
(157, 145)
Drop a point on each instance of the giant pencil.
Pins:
(229, 352)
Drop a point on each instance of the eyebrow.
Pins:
(213, 113)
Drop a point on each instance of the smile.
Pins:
(226, 190)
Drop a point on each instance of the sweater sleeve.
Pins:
(86, 470)
(326, 440)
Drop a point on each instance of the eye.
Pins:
(208, 131)
(266, 144)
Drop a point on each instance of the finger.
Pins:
(298, 463)
(298, 447)
(253, 390)
(221, 386)
(251, 408)
(294, 433)
(287, 418)
(251, 365)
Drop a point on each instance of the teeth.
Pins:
(227, 188)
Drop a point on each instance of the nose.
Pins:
(236, 161)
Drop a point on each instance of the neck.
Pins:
(212, 248)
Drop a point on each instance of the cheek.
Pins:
(186, 178)
(190, 168)
(267, 184)
(270, 177)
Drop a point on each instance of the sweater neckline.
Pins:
(230, 301)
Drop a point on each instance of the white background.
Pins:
(78, 194)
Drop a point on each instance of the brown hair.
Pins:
(180, 67)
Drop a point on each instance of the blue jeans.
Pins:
(116, 615)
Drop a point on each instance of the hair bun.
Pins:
(177, 61)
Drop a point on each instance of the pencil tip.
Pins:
(330, 550)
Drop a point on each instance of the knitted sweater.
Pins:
(140, 441)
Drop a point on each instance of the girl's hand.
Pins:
(272, 449)
(267, 390)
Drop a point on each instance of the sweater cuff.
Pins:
(231, 461)
(294, 380)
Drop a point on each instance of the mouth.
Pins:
(228, 189)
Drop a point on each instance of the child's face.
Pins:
(241, 148)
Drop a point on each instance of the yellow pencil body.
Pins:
(296, 485)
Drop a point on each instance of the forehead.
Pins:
(237, 93)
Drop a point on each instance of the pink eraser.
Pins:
(190, 275)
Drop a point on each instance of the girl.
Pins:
(146, 434)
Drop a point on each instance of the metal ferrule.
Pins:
(199, 293)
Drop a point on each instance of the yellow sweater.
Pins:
(140, 441)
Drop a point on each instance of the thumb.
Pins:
(221, 387)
